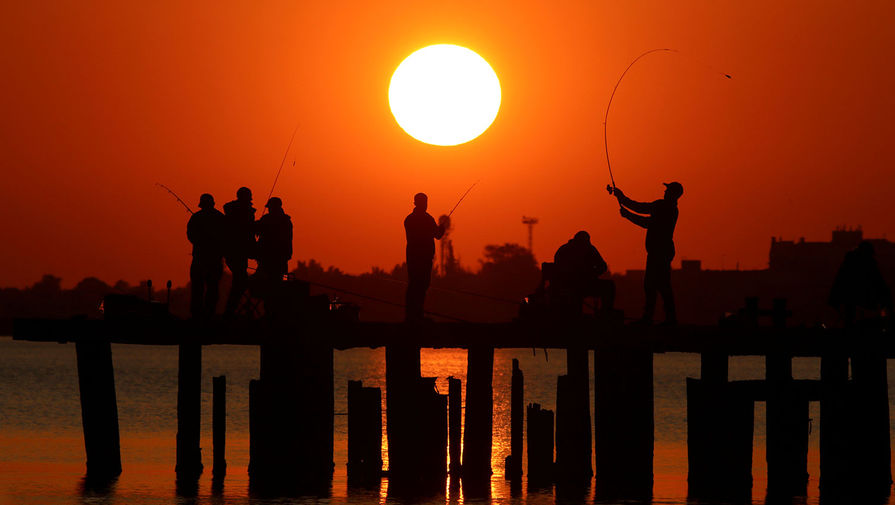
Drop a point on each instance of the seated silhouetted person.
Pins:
(240, 244)
(274, 231)
(421, 231)
(577, 267)
(860, 292)
(205, 231)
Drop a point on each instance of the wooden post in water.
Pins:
(513, 462)
(364, 434)
(720, 424)
(402, 375)
(872, 456)
(573, 430)
(787, 419)
(455, 424)
(189, 398)
(540, 446)
(219, 427)
(835, 413)
(477, 436)
(99, 408)
(623, 418)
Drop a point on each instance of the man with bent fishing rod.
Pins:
(659, 220)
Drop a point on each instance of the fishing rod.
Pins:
(169, 190)
(277, 178)
(611, 187)
(462, 197)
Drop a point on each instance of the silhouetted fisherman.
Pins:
(659, 220)
(421, 231)
(205, 230)
(274, 231)
(577, 267)
(240, 246)
(859, 288)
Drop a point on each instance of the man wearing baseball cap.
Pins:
(659, 218)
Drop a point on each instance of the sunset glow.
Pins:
(444, 95)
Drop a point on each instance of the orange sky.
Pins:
(100, 100)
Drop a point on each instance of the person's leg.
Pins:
(649, 288)
(664, 287)
(212, 289)
(240, 280)
(197, 289)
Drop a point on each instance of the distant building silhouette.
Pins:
(799, 270)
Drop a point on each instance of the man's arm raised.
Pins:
(641, 221)
(639, 207)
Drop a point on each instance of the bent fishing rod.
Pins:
(169, 190)
(611, 187)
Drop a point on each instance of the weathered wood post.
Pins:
(402, 374)
(623, 418)
(720, 423)
(835, 413)
(477, 436)
(872, 455)
(513, 462)
(787, 418)
(189, 398)
(219, 427)
(99, 408)
(455, 426)
(573, 430)
(540, 446)
(364, 434)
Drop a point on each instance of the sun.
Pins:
(444, 95)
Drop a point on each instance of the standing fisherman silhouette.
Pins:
(421, 231)
(577, 266)
(240, 246)
(205, 231)
(274, 231)
(659, 221)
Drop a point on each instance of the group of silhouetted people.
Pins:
(236, 236)
(577, 266)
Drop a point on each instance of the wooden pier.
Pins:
(292, 442)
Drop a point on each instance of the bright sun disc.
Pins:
(444, 95)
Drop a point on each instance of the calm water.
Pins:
(42, 452)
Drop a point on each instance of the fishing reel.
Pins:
(609, 188)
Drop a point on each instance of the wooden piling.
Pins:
(477, 435)
(402, 374)
(720, 425)
(364, 434)
(513, 462)
(455, 425)
(871, 459)
(540, 446)
(573, 429)
(219, 427)
(189, 398)
(835, 432)
(787, 418)
(99, 409)
(623, 418)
